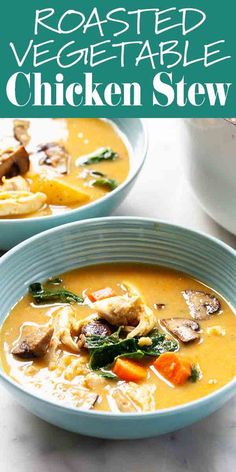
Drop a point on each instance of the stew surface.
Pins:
(120, 337)
(49, 166)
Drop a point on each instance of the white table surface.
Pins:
(29, 444)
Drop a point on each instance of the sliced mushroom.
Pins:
(55, 156)
(184, 329)
(96, 328)
(21, 128)
(93, 328)
(14, 162)
(201, 304)
(33, 342)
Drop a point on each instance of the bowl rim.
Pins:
(182, 408)
(129, 179)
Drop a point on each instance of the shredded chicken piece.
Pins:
(127, 310)
(132, 397)
(66, 328)
(19, 202)
(121, 310)
(75, 395)
(64, 324)
(143, 396)
(123, 403)
(15, 183)
(147, 321)
(54, 354)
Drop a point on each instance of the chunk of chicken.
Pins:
(65, 328)
(120, 310)
(122, 401)
(125, 310)
(15, 183)
(76, 396)
(132, 397)
(19, 202)
(147, 321)
(64, 324)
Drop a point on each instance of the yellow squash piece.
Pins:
(20, 202)
(58, 191)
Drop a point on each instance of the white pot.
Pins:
(210, 165)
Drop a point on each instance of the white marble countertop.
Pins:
(27, 443)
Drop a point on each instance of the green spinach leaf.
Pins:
(105, 182)
(106, 154)
(107, 375)
(160, 344)
(96, 173)
(42, 295)
(195, 374)
(105, 349)
(106, 353)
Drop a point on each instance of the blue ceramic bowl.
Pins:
(110, 240)
(13, 231)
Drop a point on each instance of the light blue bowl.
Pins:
(111, 240)
(13, 231)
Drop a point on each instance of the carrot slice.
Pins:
(173, 368)
(101, 294)
(129, 370)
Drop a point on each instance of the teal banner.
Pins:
(153, 58)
